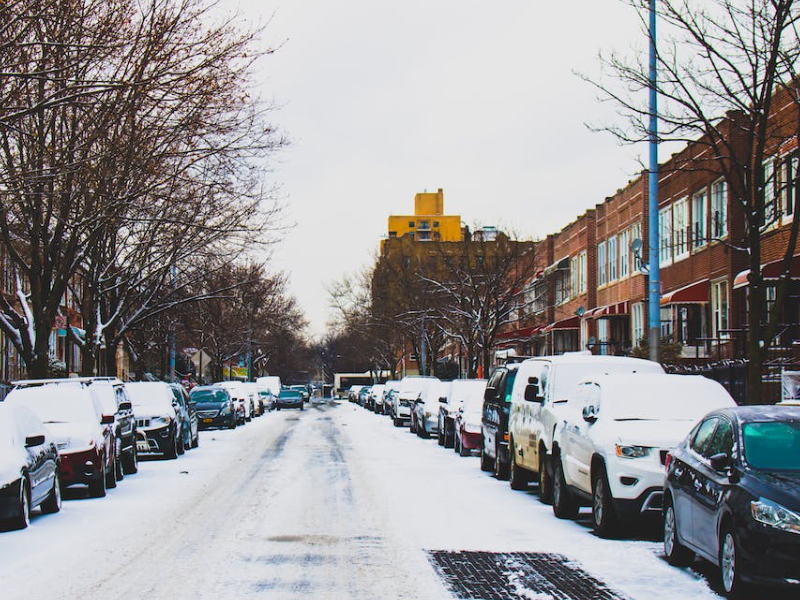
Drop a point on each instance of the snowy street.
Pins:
(332, 502)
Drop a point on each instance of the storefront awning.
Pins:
(561, 264)
(770, 272)
(609, 310)
(521, 334)
(695, 293)
(564, 324)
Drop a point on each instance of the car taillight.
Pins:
(667, 461)
(505, 437)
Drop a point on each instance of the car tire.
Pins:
(196, 440)
(487, 464)
(604, 518)
(97, 487)
(440, 435)
(119, 472)
(449, 437)
(422, 432)
(462, 451)
(564, 504)
(23, 517)
(396, 422)
(545, 480)
(232, 424)
(181, 445)
(172, 450)
(676, 553)
(130, 461)
(729, 564)
(302, 407)
(500, 468)
(52, 504)
(412, 428)
(517, 477)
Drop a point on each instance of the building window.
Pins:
(582, 272)
(680, 229)
(424, 225)
(573, 272)
(601, 263)
(602, 336)
(665, 236)
(699, 233)
(411, 224)
(666, 323)
(770, 208)
(423, 236)
(624, 252)
(637, 323)
(562, 286)
(539, 297)
(636, 258)
(612, 259)
(719, 209)
(392, 234)
(719, 309)
(789, 185)
(436, 223)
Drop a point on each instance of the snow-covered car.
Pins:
(410, 389)
(390, 387)
(352, 393)
(467, 435)
(425, 412)
(214, 407)
(28, 467)
(610, 452)
(190, 430)
(540, 394)
(153, 405)
(255, 398)
(240, 399)
(83, 434)
(268, 389)
(303, 389)
(456, 394)
(376, 397)
(494, 422)
(363, 396)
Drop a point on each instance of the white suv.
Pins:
(539, 397)
(410, 389)
(611, 452)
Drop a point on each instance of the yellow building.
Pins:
(428, 223)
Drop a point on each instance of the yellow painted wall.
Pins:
(427, 222)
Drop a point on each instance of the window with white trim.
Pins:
(719, 209)
(699, 232)
(601, 263)
(790, 185)
(770, 200)
(680, 227)
(665, 236)
(573, 272)
(636, 259)
(637, 323)
(582, 272)
(719, 308)
(624, 253)
(612, 259)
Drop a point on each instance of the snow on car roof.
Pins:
(61, 403)
(150, 393)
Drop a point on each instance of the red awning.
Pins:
(523, 333)
(609, 310)
(695, 293)
(564, 324)
(770, 271)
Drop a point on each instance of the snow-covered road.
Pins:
(329, 503)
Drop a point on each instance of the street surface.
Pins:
(329, 503)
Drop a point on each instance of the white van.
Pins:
(540, 394)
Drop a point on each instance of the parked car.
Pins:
(410, 389)
(425, 412)
(156, 417)
(389, 401)
(214, 407)
(458, 391)
(609, 452)
(352, 393)
(190, 430)
(376, 397)
(29, 467)
(268, 388)
(289, 398)
(540, 394)
(389, 388)
(468, 419)
(732, 496)
(83, 434)
(363, 396)
(240, 399)
(303, 389)
(494, 420)
(255, 398)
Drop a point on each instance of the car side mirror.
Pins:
(107, 420)
(589, 413)
(34, 440)
(532, 393)
(720, 462)
(443, 399)
(125, 406)
(489, 394)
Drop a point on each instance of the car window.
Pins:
(722, 441)
(772, 446)
(703, 435)
(509, 385)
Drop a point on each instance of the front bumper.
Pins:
(769, 556)
(81, 467)
(649, 502)
(206, 420)
(158, 440)
(289, 403)
(9, 500)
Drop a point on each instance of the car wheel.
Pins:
(440, 435)
(545, 480)
(449, 437)
(232, 424)
(517, 478)
(422, 432)
(196, 441)
(52, 504)
(97, 488)
(130, 461)
(119, 472)
(500, 468)
(564, 505)
(462, 450)
(302, 407)
(729, 564)
(487, 464)
(396, 422)
(412, 428)
(172, 449)
(677, 554)
(603, 517)
(181, 445)
(23, 518)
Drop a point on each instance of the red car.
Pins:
(83, 434)
(468, 421)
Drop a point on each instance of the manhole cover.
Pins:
(512, 575)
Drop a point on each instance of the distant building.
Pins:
(428, 223)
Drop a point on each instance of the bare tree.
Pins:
(725, 68)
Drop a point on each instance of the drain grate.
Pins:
(513, 575)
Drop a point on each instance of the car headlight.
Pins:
(162, 420)
(772, 514)
(225, 410)
(632, 451)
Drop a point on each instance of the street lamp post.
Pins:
(654, 299)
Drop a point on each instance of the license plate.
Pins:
(208, 420)
(142, 447)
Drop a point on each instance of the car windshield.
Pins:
(290, 394)
(772, 446)
(209, 396)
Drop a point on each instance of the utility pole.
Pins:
(172, 328)
(654, 304)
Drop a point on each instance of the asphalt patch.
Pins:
(513, 575)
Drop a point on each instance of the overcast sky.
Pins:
(383, 99)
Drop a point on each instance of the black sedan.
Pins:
(494, 421)
(28, 467)
(732, 496)
(214, 407)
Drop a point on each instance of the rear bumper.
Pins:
(80, 467)
(9, 498)
(471, 441)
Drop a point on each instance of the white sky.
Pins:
(383, 99)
